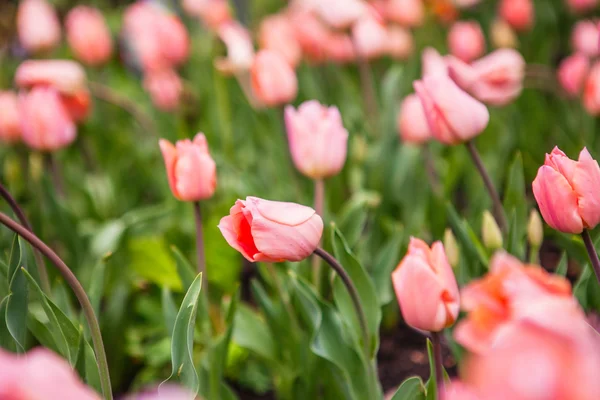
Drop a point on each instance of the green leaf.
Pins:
(96, 286)
(473, 249)
(411, 389)
(6, 340)
(16, 306)
(385, 261)
(252, 333)
(563, 265)
(432, 383)
(169, 310)
(150, 260)
(352, 219)
(184, 268)
(514, 242)
(515, 204)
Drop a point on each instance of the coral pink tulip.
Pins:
(40, 374)
(174, 38)
(341, 14)
(240, 50)
(213, 13)
(10, 125)
(466, 40)
(37, 26)
(412, 123)
(495, 79)
(312, 35)
(565, 191)
(453, 116)
(426, 288)
(581, 6)
(459, 391)
(273, 79)
(339, 48)
(585, 37)
(68, 77)
(591, 91)
(45, 121)
(165, 88)
(191, 170)
(88, 35)
(572, 73)
(164, 392)
(433, 63)
(370, 37)
(272, 231)
(518, 13)
(409, 13)
(277, 33)
(318, 140)
(400, 43)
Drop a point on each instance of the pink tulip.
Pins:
(426, 288)
(409, 13)
(40, 374)
(585, 37)
(88, 35)
(45, 121)
(433, 63)
(495, 79)
(339, 48)
(453, 116)
(191, 170)
(273, 80)
(10, 128)
(459, 391)
(276, 33)
(318, 140)
(370, 37)
(37, 26)
(400, 43)
(68, 77)
(591, 91)
(165, 88)
(466, 40)
(174, 38)
(164, 392)
(412, 123)
(311, 34)
(581, 6)
(340, 14)
(565, 191)
(240, 50)
(272, 231)
(518, 13)
(213, 13)
(572, 73)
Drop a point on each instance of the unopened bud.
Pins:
(492, 236)
(535, 229)
(451, 247)
(503, 35)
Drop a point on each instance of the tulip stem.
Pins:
(84, 301)
(498, 209)
(436, 340)
(200, 242)
(39, 261)
(591, 250)
(367, 88)
(57, 179)
(319, 205)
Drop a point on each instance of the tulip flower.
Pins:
(518, 13)
(370, 37)
(426, 288)
(88, 35)
(565, 191)
(459, 391)
(572, 73)
(412, 123)
(585, 37)
(37, 26)
(466, 40)
(400, 43)
(453, 116)
(341, 14)
(10, 128)
(40, 374)
(318, 140)
(339, 48)
(165, 88)
(276, 33)
(581, 6)
(433, 63)
(409, 13)
(164, 392)
(495, 79)
(312, 35)
(240, 50)
(591, 90)
(45, 121)
(190, 168)
(273, 80)
(213, 13)
(272, 231)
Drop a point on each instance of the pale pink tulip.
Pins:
(400, 43)
(433, 63)
(174, 38)
(165, 88)
(565, 191)
(10, 124)
(317, 138)
(519, 14)
(312, 35)
(585, 37)
(88, 35)
(164, 392)
(191, 171)
(68, 77)
(581, 6)
(45, 121)
(591, 91)
(277, 33)
(40, 374)
(459, 391)
(213, 13)
(240, 50)
(412, 123)
(273, 79)
(272, 231)
(466, 40)
(339, 48)
(409, 13)
(572, 73)
(495, 79)
(370, 37)
(453, 116)
(37, 26)
(341, 14)
(426, 288)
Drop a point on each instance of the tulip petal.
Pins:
(586, 182)
(239, 236)
(290, 214)
(169, 153)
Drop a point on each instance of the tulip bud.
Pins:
(165, 88)
(274, 82)
(452, 249)
(584, 38)
(535, 230)
(503, 35)
(411, 121)
(519, 14)
(466, 40)
(10, 128)
(591, 90)
(492, 236)
(88, 35)
(409, 13)
(572, 73)
(38, 26)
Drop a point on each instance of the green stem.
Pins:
(591, 250)
(438, 361)
(319, 205)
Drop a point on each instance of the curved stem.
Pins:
(439, 367)
(319, 205)
(200, 245)
(84, 301)
(39, 261)
(591, 250)
(498, 209)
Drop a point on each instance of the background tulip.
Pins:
(273, 79)
(340, 14)
(68, 77)
(572, 73)
(191, 171)
(276, 33)
(10, 128)
(400, 43)
(88, 35)
(272, 231)
(412, 123)
(518, 13)
(466, 40)
(409, 13)
(165, 88)
(240, 50)
(370, 37)
(591, 90)
(585, 38)
(433, 63)
(213, 13)
(502, 34)
(580, 6)
(426, 288)
(38, 26)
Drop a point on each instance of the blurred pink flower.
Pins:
(88, 35)
(370, 37)
(409, 13)
(591, 90)
(340, 14)
(318, 140)
(581, 6)
(274, 81)
(459, 391)
(37, 26)
(191, 170)
(272, 231)
(165, 88)
(213, 13)
(585, 37)
(277, 33)
(164, 392)
(240, 50)
(572, 73)
(312, 35)
(519, 14)
(466, 40)
(339, 48)
(10, 128)
(433, 63)
(412, 123)
(400, 43)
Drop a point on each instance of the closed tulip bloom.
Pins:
(572, 73)
(591, 90)
(466, 40)
(165, 88)
(174, 38)
(585, 37)
(400, 43)
(88, 35)
(426, 288)
(318, 140)
(565, 191)
(341, 14)
(273, 79)
(339, 48)
(45, 122)
(518, 13)
(370, 37)
(277, 33)
(503, 35)
(312, 35)
(495, 79)
(240, 50)
(409, 13)
(68, 77)
(453, 116)
(412, 123)
(10, 124)
(191, 170)
(213, 13)
(433, 63)
(272, 231)
(581, 6)
(37, 26)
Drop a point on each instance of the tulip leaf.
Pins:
(385, 261)
(515, 198)
(252, 333)
(473, 249)
(169, 309)
(514, 241)
(411, 389)
(184, 268)
(6, 340)
(151, 261)
(563, 265)
(17, 302)
(432, 388)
